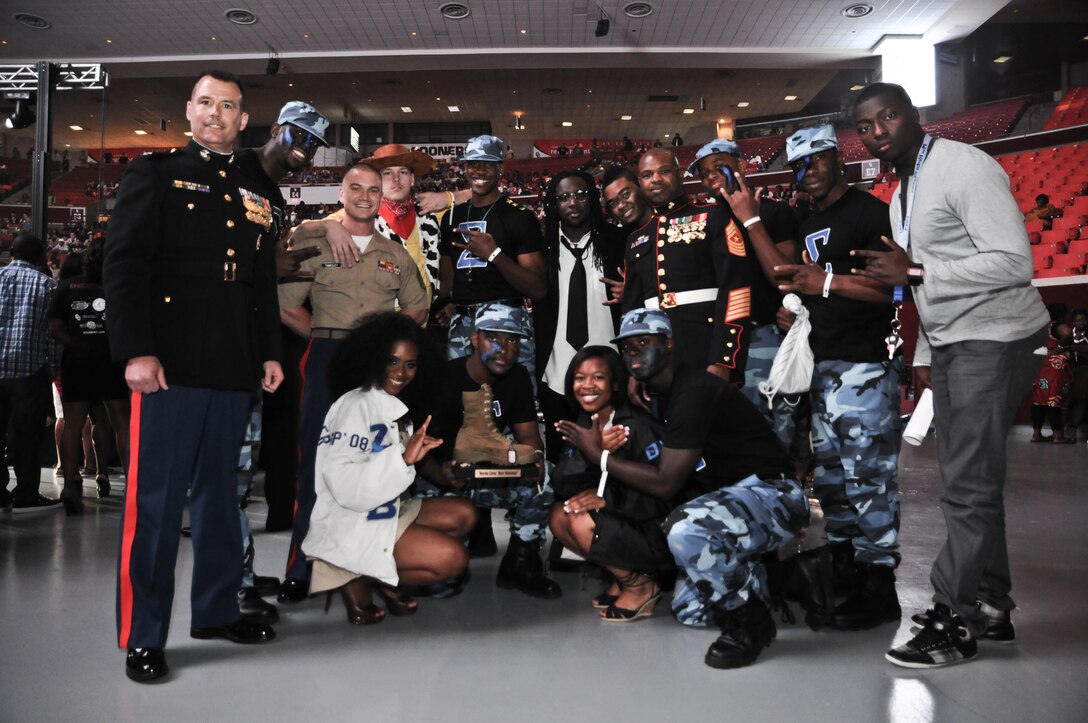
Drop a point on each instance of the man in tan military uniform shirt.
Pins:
(386, 278)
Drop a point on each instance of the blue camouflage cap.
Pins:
(810, 141)
(716, 146)
(498, 317)
(640, 322)
(485, 148)
(306, 117)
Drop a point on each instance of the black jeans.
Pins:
(25, 403)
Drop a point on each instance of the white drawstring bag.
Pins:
(791, 372)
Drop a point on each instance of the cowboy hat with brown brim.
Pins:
(395, 154)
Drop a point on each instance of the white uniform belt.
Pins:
(680, 298)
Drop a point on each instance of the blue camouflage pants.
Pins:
(856, 435)
(460, 341)
(528, 506)
(719, 538)
(766, 338)
(247, 468)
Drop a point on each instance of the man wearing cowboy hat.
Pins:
(402, 217)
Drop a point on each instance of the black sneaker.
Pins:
(999, 627)
(944, 641)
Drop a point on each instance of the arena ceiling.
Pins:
(365, 60)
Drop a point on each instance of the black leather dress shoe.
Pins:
(266, 585)
(240, 631)
(293, 591)
(144, 665)
(254, 609)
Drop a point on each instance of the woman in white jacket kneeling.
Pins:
(364, 531)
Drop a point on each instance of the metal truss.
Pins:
(69, 76)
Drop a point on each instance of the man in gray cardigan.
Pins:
(969, 266)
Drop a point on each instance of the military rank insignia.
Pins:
(685, 229)
(734, 240)
(388, 266)
(640, 240)
(258, 208)
(190, 186)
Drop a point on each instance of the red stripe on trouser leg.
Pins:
(128, 532)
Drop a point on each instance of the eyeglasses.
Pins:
(302, 139)
(580, 194)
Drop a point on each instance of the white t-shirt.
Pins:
(362, 241)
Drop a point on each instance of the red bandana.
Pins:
(401, 217)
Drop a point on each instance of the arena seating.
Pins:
(1062, 174)
(974, 125)
(1072, 110)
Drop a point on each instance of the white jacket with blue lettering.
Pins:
(360, 475)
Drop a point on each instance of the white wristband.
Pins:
(827, 284)
(604, 461)
(494, 254)
(752, 221)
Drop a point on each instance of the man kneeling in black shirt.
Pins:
(719, 453)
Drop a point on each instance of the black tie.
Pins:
(577, 304)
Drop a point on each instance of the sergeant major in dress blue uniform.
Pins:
(698, 276)
(191, 292)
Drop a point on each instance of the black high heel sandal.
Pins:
(615, 614)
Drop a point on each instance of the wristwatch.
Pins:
(915, 274)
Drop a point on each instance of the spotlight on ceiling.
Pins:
(23, 115)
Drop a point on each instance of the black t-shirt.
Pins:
(782, 225)
(82, 305)
(843, 328)
(516, 231)
(707, 413)
(512, 402)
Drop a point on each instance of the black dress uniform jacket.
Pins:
(688, 246)
(190, 271)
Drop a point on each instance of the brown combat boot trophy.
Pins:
(479, 441)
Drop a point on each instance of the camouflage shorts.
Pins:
(719, 538)
(856, 435)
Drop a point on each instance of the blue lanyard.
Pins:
(904, 223)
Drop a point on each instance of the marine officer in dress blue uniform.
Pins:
(191, 294)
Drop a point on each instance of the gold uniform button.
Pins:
(733, 331)
(222, 174)
(662, 287)
(661, 243)
(710, 319)
(230, 253)
(167, 299)
(729, 345)
(661, 257)
(226, 197)
(661, 272)
(230, 223)
(190, 206)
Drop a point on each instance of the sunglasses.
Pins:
(581, 194)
